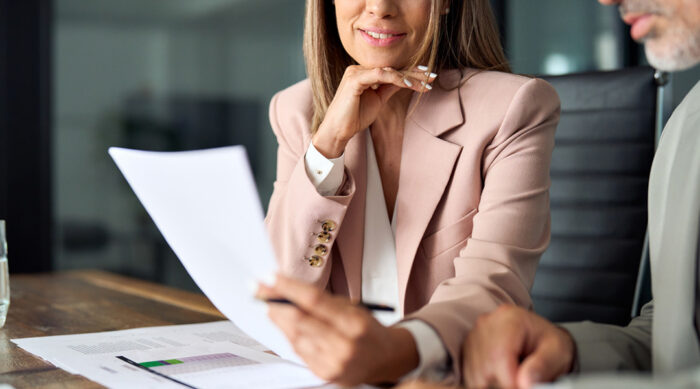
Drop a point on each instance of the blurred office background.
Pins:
(80, 76)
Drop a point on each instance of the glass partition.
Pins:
(563, 36)
(157, 75)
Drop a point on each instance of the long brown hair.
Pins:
(465, 37)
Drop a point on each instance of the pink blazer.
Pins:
(472, 207)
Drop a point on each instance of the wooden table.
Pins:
(80, 302)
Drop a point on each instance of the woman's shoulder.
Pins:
(498, 104)
(295, 98)
(292, 108)
(498, 94)
(505, 87)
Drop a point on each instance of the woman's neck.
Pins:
(393, 115)
(387, 138)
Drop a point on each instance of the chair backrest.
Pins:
(600, 171)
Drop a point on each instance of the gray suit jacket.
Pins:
(664, 336)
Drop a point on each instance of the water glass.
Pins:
(4, 276)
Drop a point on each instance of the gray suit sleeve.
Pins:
(608, 347)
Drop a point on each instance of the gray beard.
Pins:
(681, 56)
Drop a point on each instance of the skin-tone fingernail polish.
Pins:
(423, 68)
(407, 82)
(426, 85)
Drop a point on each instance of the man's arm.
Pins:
(607, 347)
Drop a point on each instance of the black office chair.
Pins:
(604, 148)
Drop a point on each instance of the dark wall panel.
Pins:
(25, 112)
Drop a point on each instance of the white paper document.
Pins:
(209, 355)
(206, 205)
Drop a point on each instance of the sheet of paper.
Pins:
(137, 339)
(206, 205)
(209, 355)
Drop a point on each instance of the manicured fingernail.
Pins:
(387, 68)
(431, 75)
(426, 86)
(423, 68)
(407, 82)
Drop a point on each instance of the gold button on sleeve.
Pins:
(320, 250)
(315, 261)
(323, 237)
(328, 226)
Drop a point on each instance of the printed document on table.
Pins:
(208, 355)
(206, 205)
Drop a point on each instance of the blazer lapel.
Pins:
(427, 163)
(351, 241)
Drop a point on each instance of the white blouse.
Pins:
(379, 267)
(380, 280)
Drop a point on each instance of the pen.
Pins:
(370, 306)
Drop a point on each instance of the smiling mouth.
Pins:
(378, 35)
(382, 38)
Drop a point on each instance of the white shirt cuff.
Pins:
(432, 354)
(326, 174)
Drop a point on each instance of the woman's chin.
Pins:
(382, 63)
(370, 58)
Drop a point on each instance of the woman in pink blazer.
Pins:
(424, 187)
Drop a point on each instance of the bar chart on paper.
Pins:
(207, 355)
(197, 363)
(227, 370)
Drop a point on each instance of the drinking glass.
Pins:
(4, 276)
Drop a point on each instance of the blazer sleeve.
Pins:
(604, 347)
(296, 211)
(512, 226)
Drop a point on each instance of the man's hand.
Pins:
(515, 348)
(339, 341)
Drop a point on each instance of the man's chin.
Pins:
(669, 59)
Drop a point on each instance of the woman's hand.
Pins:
(360, 96)
(339, 341)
